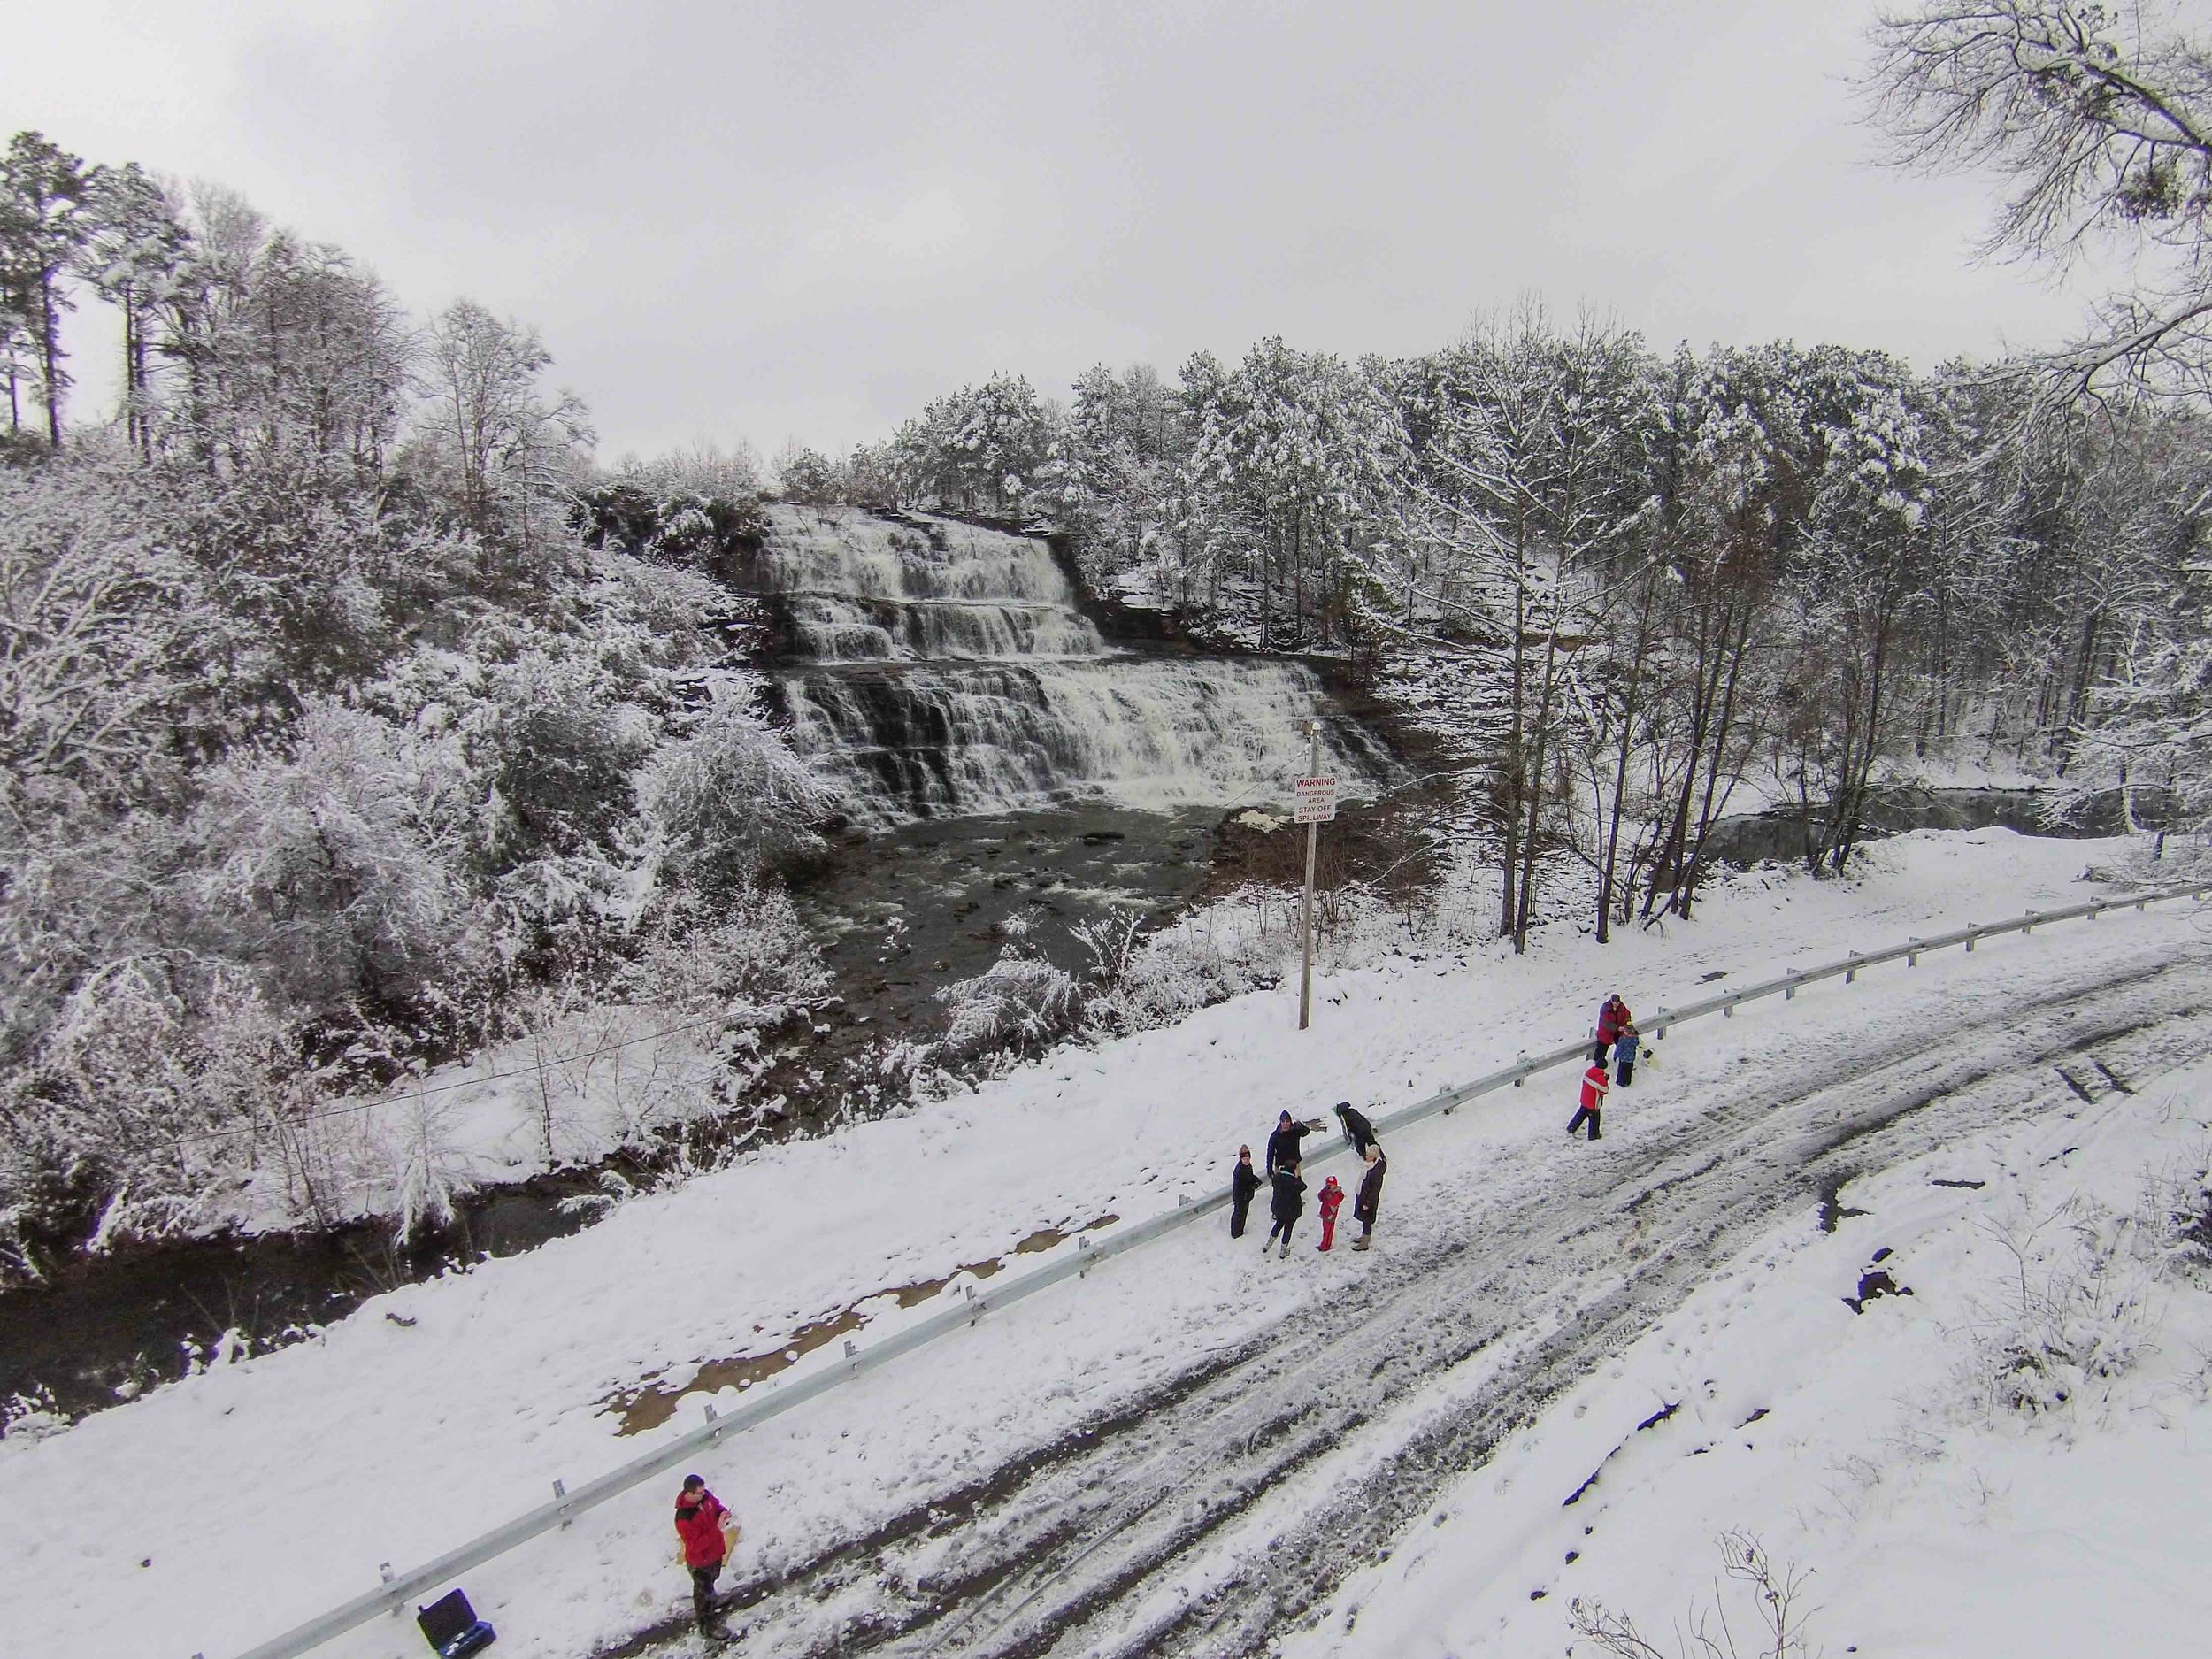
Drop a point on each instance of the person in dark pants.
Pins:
(1283, 1146)
(1367, 1201)
(701, 1520)
(1244, 1181)
(1624, 1048)
(1593, 1099)
(1357, 1130)
(1611, 1017)
(1287, 1205)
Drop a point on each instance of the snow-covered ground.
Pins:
(256, 1493)
(1880, 1448)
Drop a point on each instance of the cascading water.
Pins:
(950, 672)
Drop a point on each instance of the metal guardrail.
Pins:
(975, 1301)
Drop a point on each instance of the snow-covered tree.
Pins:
(730, 796)
(45, 220)
(2099, 118)
(507, 447)
(137, 242)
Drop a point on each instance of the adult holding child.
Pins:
(1611, 1017)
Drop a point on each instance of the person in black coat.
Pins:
(1369, 1200)
(1244, 1181)
(1288, 1204)
(1357, 1130)
(1283, 1146)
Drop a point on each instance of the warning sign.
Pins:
(1316, 800)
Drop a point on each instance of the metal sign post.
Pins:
(1317, 804)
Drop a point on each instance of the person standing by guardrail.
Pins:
(1285, 1145)
(707, 1530)
(1593, 1098)
(1287, 1205)
(1611, 1017)
(1357, 1129)
(1244, 1181)
(1368, 1203)
(1625, 1049)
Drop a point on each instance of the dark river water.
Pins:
(904, 912)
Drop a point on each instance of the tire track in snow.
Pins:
(1185, 1520)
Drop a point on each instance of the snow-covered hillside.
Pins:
(261, 1491)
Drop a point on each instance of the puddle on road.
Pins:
(651, 1403)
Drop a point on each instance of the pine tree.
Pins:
(44, 225)
(136, 243)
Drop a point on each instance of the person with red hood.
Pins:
(1593, 1086)
(1332, 1200)
(1611, 1017)
(707, 1530)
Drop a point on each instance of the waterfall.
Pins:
(948, 670)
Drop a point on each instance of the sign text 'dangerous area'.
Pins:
(1316, 800)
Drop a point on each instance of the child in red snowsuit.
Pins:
(1332, 1200)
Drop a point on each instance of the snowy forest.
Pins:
(357, 714)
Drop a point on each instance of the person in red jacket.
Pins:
(701, 1520)
(1332, 1200)
(1611, 1017)
(1593, 1085)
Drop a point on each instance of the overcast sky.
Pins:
(756, 220)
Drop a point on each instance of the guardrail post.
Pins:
(1852, 972)
(1912, 957)
(384, 1571)
(560, 1496)
(1082, 1248)
(1663, 1026)
(1728, 1013)
(717, 1436)
(2028, 926)
(1520, 1060)
(1973, 933)
(2095, 906)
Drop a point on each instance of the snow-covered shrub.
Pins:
(327, 860)
(563, 775)
(1019, 1002)
(748, 955)
(107, 630)
(732, 795)
(32, 1416)
(427, 1170)
(1142, 983)
(1774, 1607)
(147, 1099)
(2178, 1198)
(2081, 1307)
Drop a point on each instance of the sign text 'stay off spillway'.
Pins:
(1315, 798)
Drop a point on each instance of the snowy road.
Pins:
(1219, 1504)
